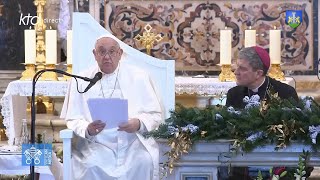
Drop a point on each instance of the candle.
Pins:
(249, 37)
(51, 46)
(275, 46)
(225, 46)
(30, 46)
(69, 47)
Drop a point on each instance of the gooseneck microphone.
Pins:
(93, 81)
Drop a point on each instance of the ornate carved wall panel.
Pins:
(191, 28)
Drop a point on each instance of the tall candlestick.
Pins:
(225, 46)
(69, 47)
(275, 46)
(249, 37)
(30, 46)
(51, 46)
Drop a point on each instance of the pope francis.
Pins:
(119, 153)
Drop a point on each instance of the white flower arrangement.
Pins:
(253, 101)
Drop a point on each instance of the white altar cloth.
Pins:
(208, 86)
(14, 101)
(10, 164)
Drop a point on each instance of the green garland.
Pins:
(277, 122)
(281, 122)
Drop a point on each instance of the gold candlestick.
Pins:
(40, 29)
(148, 38)
(28, 74)
(69, 70)
(276, 72)
(226, 73)
(49, 76)
(3, 136)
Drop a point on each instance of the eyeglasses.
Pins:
(111, 52)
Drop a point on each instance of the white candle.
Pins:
(275, 46)
(69, 47)
(225, 46)
(249, 37)
(30, 46)
(51, 46)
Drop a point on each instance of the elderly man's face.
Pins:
(107, 53)
(245, 74)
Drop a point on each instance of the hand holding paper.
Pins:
(95, 127)
(111, 111)
(132, 126)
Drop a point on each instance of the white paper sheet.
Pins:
(112, 111)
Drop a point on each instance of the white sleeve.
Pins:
(79, 126)
(149, 112)
(74, 111)
(142, 128)
(150, 119)
(88, 136)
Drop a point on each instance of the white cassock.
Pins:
(115, 154)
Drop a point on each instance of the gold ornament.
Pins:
(284, 132)
(264, 107)
(276, 72)
(148, 38)
(49, 76)
(203, 133)
(226, 73)
(28, 74)
(180, 144)
(40, 30)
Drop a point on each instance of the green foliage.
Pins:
(301, 170)
(279, 122)
(259, 176)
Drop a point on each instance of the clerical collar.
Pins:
(256, 89)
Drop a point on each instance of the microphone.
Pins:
(96, 78)
(93, 81)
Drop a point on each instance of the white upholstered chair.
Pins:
(85, 31)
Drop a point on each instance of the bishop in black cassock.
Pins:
(251, 70)
(251, 73)
(236, 94)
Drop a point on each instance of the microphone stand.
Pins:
(33, 109)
